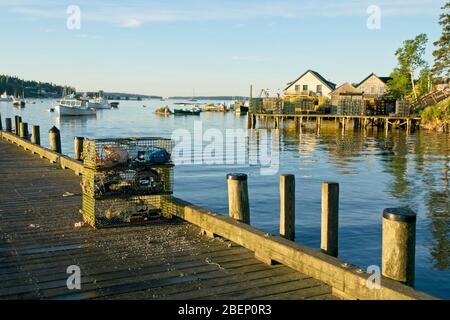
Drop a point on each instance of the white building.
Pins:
(310, 83)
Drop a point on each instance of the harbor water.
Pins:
(375, 170)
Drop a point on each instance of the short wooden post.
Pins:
(287, 206)
(1, 124)
(8, 124)
(78, 148)
(248, 121)
(238, 204)
(36, 135)
(55, 139)
(18, 120)
(330, 218)
(399, 244)
(23, 131)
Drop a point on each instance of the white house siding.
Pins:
(312, 82)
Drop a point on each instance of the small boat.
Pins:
(74, 107)
(5, 97)
(240, 108)
(163, 111)
(50, 110)
(18, 103)
(114, 105)
(99, 102)
(195, 111)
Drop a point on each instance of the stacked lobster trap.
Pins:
(125, 180)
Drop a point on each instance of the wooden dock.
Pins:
(409, 123)
(190, 254)
(167, 259)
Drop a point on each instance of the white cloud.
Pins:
(132, 23)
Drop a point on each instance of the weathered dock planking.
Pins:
(167, 259)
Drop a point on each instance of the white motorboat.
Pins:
(74, 107)
(99, 102)
(5, 97)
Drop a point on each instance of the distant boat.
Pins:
(240, 108)
(18, 103)
(5, 97)
(186, 111)
(74, 107)
(114, 105)
(99, 102)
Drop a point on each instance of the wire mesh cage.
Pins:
(127, 182)
(108, 154)
(113, 212)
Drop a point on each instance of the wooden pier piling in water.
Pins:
(330, 218)
(36, 135)
(399, 244)
(287, 206)
(55, 139)
(238, 203)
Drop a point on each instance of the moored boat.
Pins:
(186, 111)
(114, 104)
(18, 103)
(5, 97)
(74, 107)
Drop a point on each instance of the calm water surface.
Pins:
(375, 171)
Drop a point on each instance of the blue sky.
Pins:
(217, 47)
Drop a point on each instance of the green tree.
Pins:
(410, 57)
(400, 85)
(424, 81)
(442, 53)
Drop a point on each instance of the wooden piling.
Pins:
(1, 124)
(330, 218)
(247, 121)
(23, 130)
(17, 120)
(55, 139)
(36, 135)
(78, 148)
(238, 203)
(8, 125)
(399, 244)
(287, 206)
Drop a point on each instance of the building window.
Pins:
(381, 90)
(297, 88)
(305, 87)
(372, 90)
(319, 88)
(362, 89)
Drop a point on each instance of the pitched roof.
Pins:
(329, 84)
(383, 79)
(345, 88)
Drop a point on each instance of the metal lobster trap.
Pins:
(126, 153)
(113, 212)
(128, 182)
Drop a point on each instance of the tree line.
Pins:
(28, 88)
